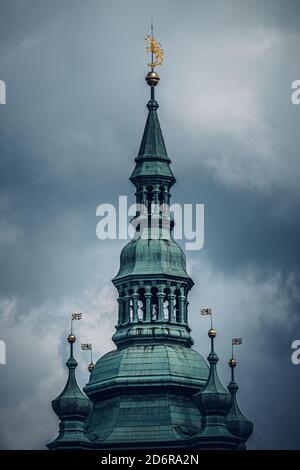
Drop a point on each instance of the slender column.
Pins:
(120, 311)
(135, 298)
(127, 306)
(171, 299)
(186, 310)
(148, 296)
(160, 295)
(182, 300)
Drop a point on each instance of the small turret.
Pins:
(72, 407)
(237, 423)
(214, 402)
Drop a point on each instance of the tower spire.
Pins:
(143, 390)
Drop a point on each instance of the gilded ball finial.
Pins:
(152, 78)
(212, 333)
(232, 362)
(91, 366)
(71, 338)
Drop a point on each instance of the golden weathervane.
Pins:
(157, 53)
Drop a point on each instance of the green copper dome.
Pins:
(142, 257)
(143, 365)
(71, 402)
(144, 394)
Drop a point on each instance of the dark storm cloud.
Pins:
(69, 133)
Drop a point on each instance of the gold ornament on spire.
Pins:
(157, 53)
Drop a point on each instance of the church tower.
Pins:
(153, 390)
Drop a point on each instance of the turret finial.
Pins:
(235, 342)
(71, 338)
(157, 57)
(233, 388)
(89, 347)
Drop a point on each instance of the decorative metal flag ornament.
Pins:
(75, 316)
(235, 342)
(207, 311)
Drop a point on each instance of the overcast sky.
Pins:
(70, 130)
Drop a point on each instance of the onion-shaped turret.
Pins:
(214, 402)
(72, 407)
(237, 423)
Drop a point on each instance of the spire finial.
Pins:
(157, 57)
(154, 47)
(232, 364)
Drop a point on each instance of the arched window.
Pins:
(161, 196)
(141, 305)
(130, 307)
(150, 196)
(176, 306)
(166, 304)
